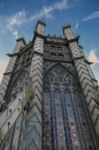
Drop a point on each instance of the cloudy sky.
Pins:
(18, 19)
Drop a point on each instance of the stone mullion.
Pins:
(37, 85)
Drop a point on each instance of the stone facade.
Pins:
(50, 95)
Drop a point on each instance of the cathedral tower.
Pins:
(49, 96)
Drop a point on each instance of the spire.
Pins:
(40, 26)
(20, 42)
(67, 31)
(92, 57)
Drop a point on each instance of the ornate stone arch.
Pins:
(18, 81)
(69, 68)
(19, 74)
(64, 111)
(62, 69)
(56, 81)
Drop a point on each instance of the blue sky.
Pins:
(18, 19)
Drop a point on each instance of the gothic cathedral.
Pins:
(49, 98)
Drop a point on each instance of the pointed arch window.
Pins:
(63, 95)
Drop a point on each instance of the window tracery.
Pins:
(62, 96)
(55, 51)
(23, 59)
(19, 81)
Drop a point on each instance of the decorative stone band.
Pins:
(36, 75)
(89, 91)
(12, 55)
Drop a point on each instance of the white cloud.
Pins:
(12, 23)
(92, 16)
(92, 57)
(76, 25)
(47, 11)
(15, 33)
(61, 5)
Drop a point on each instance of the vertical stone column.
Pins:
(5, 81)
(36, 75)
(90, 93)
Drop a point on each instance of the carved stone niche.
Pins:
(13, 94)
(3, 106)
